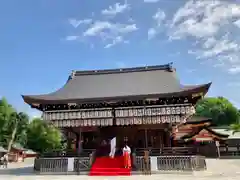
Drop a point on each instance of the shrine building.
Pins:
(141, 106)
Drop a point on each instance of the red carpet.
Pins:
(106, 166)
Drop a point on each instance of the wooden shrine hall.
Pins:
(139, 105)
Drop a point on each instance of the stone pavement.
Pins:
(217, 170)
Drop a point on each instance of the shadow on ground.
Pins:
(21, 171)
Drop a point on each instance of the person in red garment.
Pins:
(127, 156)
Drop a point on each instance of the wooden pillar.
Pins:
(69, 141)
(146, 138)
(80, 141)
(161, 142)
(170, 126)
(168, 139)
(76, 142)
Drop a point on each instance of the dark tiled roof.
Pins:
(198, 119)
(118, 83)
(2, 149)
(188, 136)
(18, 147)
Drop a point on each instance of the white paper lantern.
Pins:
(149, 120)
(173, 118)
(81, 122)
(85, 122)
(163, 119)
(178, 110)
(168, 111)
(159, 121)
(168, 119)
(182, 110)
(118, 122)
(173, 110)
(164, 111)
(154, 119)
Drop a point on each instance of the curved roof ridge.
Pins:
(166, 67)
(186, 86)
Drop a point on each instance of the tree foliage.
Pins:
(16, 127)
(219, 109)
(42, 137)
(235, 127)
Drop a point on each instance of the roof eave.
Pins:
(38, 99)
(191, 135)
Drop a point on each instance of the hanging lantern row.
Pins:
(154, 111)
(77, 115)
(150, 120)
(79, 122)
(119, 121)
(124, 112)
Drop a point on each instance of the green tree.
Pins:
(219, 109)
(42, 137)
(12, 125)
(6, 112)
(17, 125)
(235, 127)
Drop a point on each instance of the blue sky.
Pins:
(42, 41)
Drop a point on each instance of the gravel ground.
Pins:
(217, 170)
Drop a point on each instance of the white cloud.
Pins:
(202, 18)
(105, 27)
(127, 28)
(110, 33)
(209, 24)
(116, 40)
(75, 23)
(209, 43)
(116, 9)
(71, 38)
(219, 47)
(234, 69)
(150, 1)
(152, 32)
(191, 70)
(97, 28)
(158, 18)
(107, 31)
(234, 84)
(131, 20)
(237, 23)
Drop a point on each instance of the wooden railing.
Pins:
(143, 164)
(169, 163)
(181, 163)
(68, 153)
(57, 162)
(82, 164)
(60, 165)
(230, 150)
(168, 151)
(138, 151)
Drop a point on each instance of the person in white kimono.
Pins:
(127, 156)
(113, 147)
